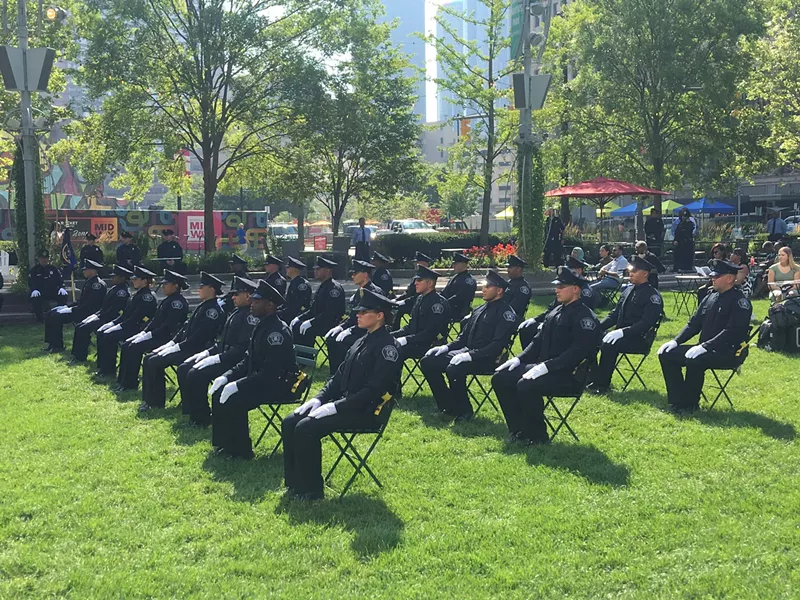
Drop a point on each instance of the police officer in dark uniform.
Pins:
(128, 254)
(298, 293)
(405, 301)
(723, 322)
(265, 374)
(91, 251)
(519, 290)
(382, 277)
(478, 349)
(92, 294)
(353, 398)
(169, 318)
(274, 277)
(326, 309)
(197, 335)
(460, 290)
(555, 363)
(197, 371)
(112, 307)
(139, 311)
(634, 319)
(47, 285)
(429, 318)
(340, 338)
(238, 267)
(529, 327)
(170, 253)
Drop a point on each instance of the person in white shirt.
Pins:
(360, 241)
(776, 227)
(610, 275)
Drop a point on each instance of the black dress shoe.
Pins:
(56, 350)
(144, 407)
(46, 348)
(309, 497)
(464, 418)
(512, 438)
(538, 442)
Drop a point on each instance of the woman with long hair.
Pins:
(784, 270)
(739, 257)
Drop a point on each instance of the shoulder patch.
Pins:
(509, 316)
(437, 308)
(744, 303)
(587, 292)
(212, 313)
(469, 281)
(390, 353)
(96, 286)
(147, 298)
(588, 324)
(335, 293)
(525, 290)
(655, 299)
(252, 320)
(176, 304)
(385, 276)
(275, 338)
(122, 293)
(302, 287)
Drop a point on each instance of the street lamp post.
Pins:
(28, 136)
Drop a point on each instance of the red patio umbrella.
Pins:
(601, 190)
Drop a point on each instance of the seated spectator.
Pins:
(644, 253)
(605, 257)
(719, 251)
(577, 252)
(743, 280)
(765, 259)
(784, 270)
(611, 274)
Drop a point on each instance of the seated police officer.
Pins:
(634, 319)
(478, 349)
(238, 267)
(113, 306)
(353, 398)
(167, 322)
(197, 335)
(519, 290)
(47, 285)
(429, 317)
(382, 277)
(264, 375)
(327, 306)
(723, 322)
(298, 292)
(460, 290)
(272, 266)
(93, 293)
(340, 338)
(197, 371)
(553, 364)
(139, 311)
(405, 301)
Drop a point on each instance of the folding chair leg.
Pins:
(411, 374)
(272, 417)
(634, 371)
(356, 460)
(722, 391)
(561, 418)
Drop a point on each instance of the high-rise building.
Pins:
(410, 15)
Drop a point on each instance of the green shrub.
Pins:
(401, 246)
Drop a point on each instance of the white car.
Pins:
(792, 223)
(283, 231)
(412, 226)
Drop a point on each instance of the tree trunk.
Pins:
(301, 213)
(209, 191)
(566, 214)
(488, 175)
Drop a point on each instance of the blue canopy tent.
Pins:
(625, 211)
(704, 206)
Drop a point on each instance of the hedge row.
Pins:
(401, 246)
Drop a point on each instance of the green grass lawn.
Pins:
(98, 501)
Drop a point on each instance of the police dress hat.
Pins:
(210, 280)
(125, 235)
(122, 271)
(90, 264)
(324, 263)
(372, 301)
(574, 263)
(420, 257)
(494, 279)
(168, 232)
(243, 284)
(91, 236)
(142, 273)
(637, 262)
(424, 272)
(360, 266)
(723, 267)
(379, 256)
(458, 257)
(273, 260)
(291, 261)
(515, 261)
(566, 276)
(265, 291)
(237, 260)
(43, 254)
(173, 277)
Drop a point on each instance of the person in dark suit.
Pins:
(91, 299)
(460, 290)
(298, 292)
(273, 268)
(519, 290)
(91, 250)
(405, 301)
(327, 306)
(429, 318)
(170, 253)
(128, 253)
(382, 277)
(47, 285)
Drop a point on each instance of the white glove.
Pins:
(294, 322)
(64, 310)
(343, 335)
(459, 358)
(143, 337)
(90, 319)
(35, 294)
(510, 365)
(133, 339)
(402, 341)
(221, 303)
(170, 350)
(307, 406)
(695, 351)
(208, 362)
(62, 292)
(305, 327)
(163, 347)
(228, 391)
(326, 410)
(436, 351)
(670, 345)
(106, 326)
(217, 383)
(535, 372)
(334, 331)
(612, 337)
(197, 357)
(527, 323)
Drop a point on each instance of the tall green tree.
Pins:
(459, 183)
(475, 77)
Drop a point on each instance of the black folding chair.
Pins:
(560, 419)
(485, 391)
(173, 369)
(306, 359)
(630, 371)
(322, 348)
(611, 295)
(344, 440)
(722, 381)
(414, 374)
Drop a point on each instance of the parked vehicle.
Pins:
(412, 226)
(283, 231)
(349, 229)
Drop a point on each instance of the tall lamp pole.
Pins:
(28, 135)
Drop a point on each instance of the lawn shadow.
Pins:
(376, 527)
(480, 425)
(747, 420)
(251, 479)
(583, 460)
(639, 396)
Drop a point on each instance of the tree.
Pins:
(654, 89)
(210, 73)
(459, 183)
(40, 241)
(473, 75)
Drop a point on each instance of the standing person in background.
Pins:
(654, 231)
(684, 242)
(170, 253)
(46, 284)
(554, 240)
(242, 237)
(128, 254)
(361, 241)
(90, 250)
(776, 227)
